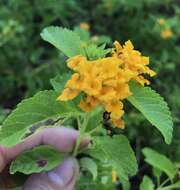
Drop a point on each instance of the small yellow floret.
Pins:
(84, 25)
(114, 176)
(161, 21)
(68, 94)
(166, 33)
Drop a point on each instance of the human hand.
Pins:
(61, 178)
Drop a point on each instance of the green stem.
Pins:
(158, 181)
(173, 186)
(163, 183)
(94, 130)
(82, 129)
(77, 146)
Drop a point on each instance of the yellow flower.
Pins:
(68, 94)
(132, 60)
(106, 94)
(105, 81)
(74, 62)
(119, 123)
(88, 103)
(74, 82)
(92, 86)
(166, 33)
(84, 25)
(115, 108)
(122, 91)
(141, 80)
(161, 21)
(114, 176)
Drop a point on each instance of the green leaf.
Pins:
(159, 161)
(115, 151)
(83, 34)
(154, 108)
(89, 165)
(40, 159)
(125, 183)
(95, 52)
(157, 173)
(59, 81)
(63, 39)
(147, 184)
(30, 112)
(95, 118)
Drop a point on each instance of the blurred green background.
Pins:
(27, 62)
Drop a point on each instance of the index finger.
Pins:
(63, 139)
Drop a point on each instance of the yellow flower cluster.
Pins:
(105, 81)
(166, 33)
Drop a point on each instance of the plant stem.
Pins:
(94, 130)
(163, 183)
(82, 128)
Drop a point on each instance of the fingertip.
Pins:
(65, 174)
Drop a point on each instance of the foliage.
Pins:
(161, 164)
(27, 63)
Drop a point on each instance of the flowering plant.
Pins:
(90, 97)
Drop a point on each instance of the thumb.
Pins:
(61, 178)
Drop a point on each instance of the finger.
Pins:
(62, 139)
(61, 178)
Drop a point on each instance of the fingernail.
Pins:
(63, 175)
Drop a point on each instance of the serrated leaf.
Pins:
(30, 112)
(63, 39)
(115, 151)
(154, 108)
(159, 161)
(59, 81)
(40, 159)
(147, 184)
(90, 165)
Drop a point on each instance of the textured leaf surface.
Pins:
(59, 81)
(29, 112)
(159, 161)
(115, 151)
(63, 39)
(154, 108)
(83, 34)
(147, 184)
(39, 159)
(90, 165)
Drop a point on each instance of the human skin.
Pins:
(61, 178)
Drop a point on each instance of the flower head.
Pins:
(166, 33)
(105, 81)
